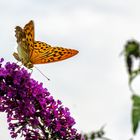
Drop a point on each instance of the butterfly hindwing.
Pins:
(23, 49)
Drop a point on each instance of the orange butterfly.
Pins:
(32, 52)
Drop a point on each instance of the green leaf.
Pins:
(135, 113)
(132, 48)
(131, 52)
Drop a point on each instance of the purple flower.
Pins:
(31, 110)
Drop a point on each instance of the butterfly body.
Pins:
(31, 52)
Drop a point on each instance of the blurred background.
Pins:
(94, 83)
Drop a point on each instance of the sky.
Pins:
(94, 83)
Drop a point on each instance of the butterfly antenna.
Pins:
(42, 73)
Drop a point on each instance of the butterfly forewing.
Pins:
(44, 53)
(29, 32)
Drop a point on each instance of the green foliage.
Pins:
(96, 135)
(135, 112)
(132, 54)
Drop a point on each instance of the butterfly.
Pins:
(31, 52)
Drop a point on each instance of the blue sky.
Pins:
(93, 84)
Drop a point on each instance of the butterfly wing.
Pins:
(22, 48)
(25, 40)
(44, 53)
(29, 33)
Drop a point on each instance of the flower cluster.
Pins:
(31, 110)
